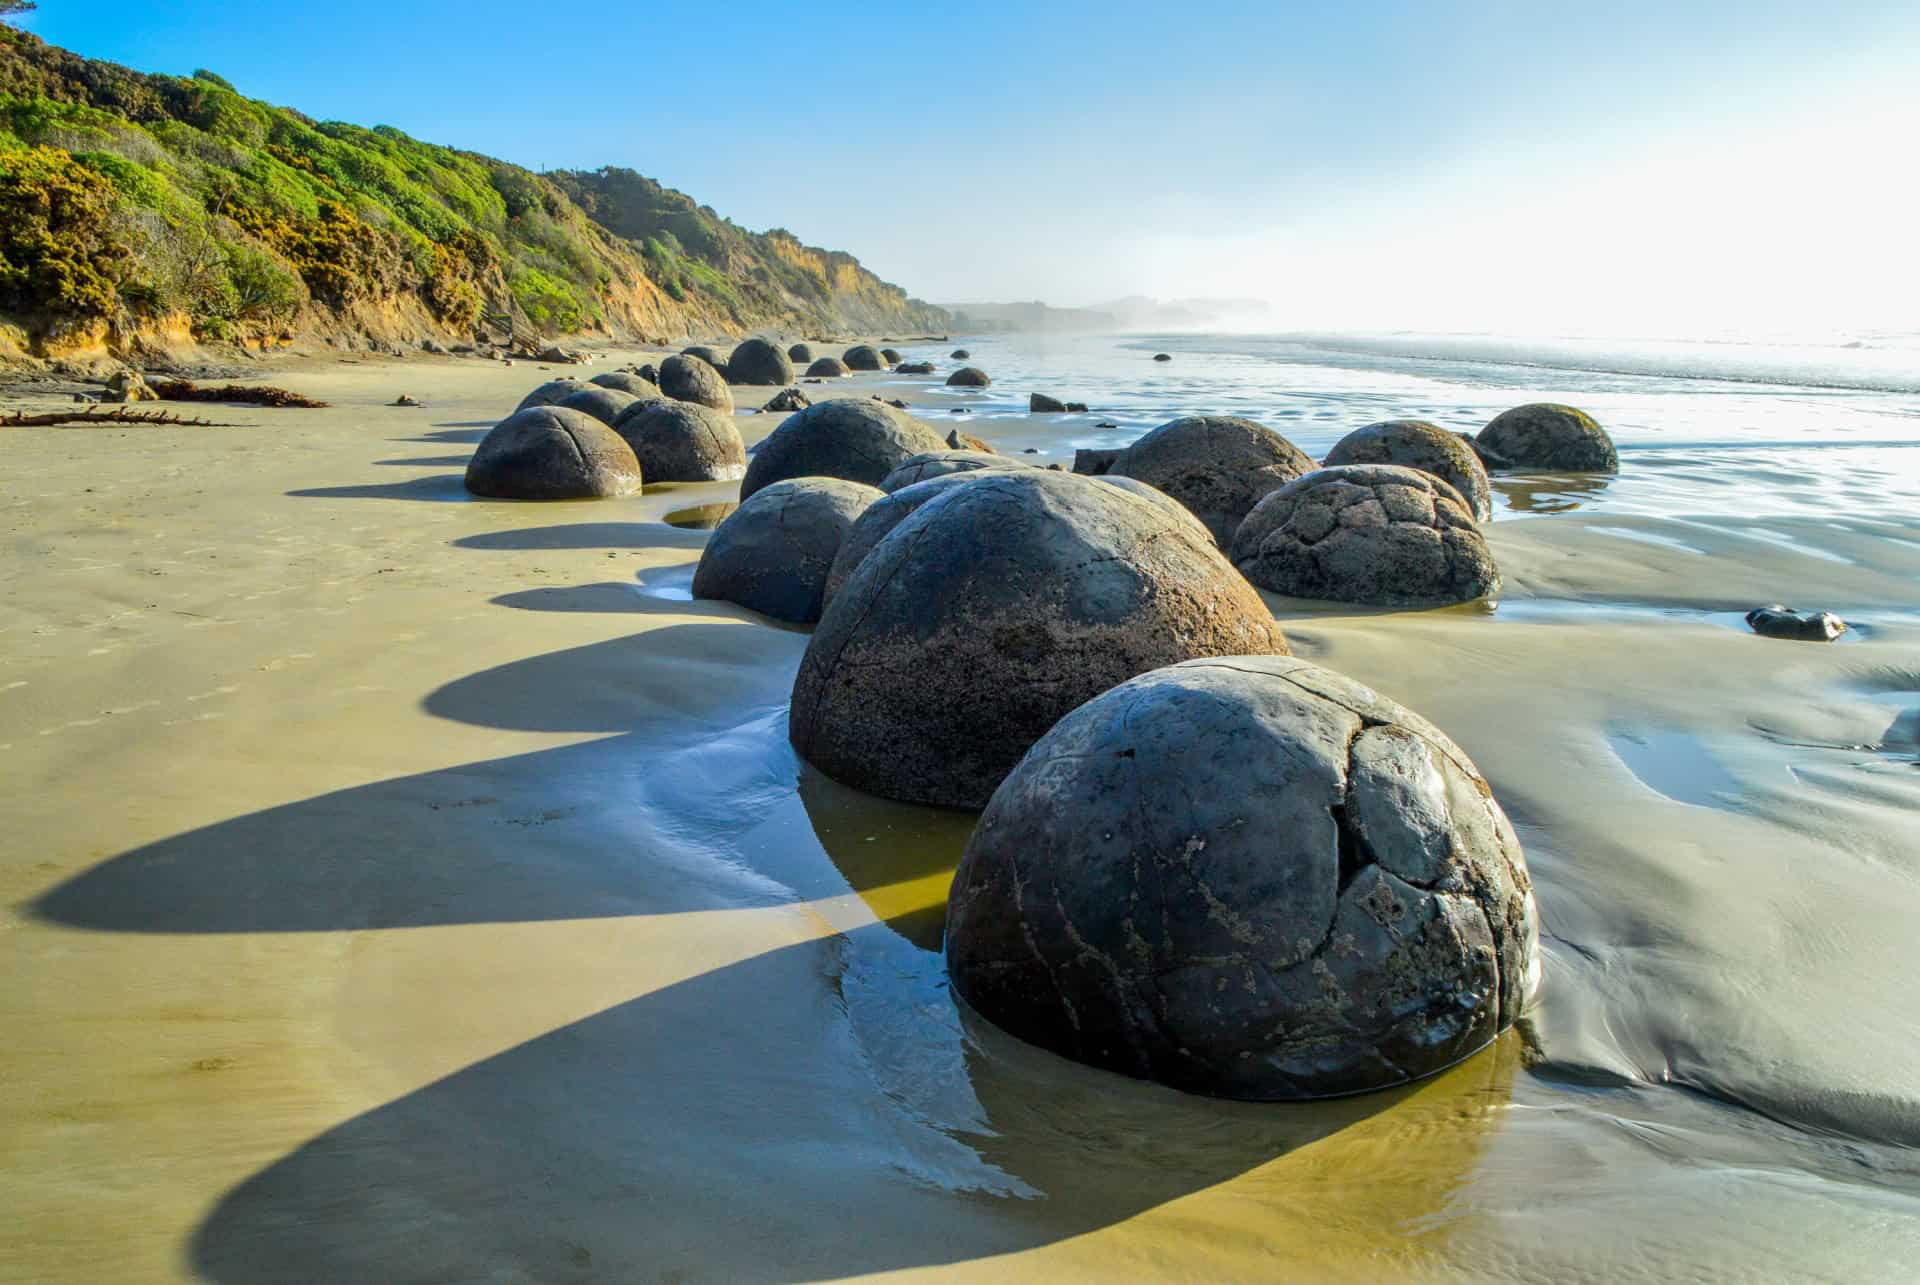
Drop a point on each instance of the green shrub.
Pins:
(61, 249)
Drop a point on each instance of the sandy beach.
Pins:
(403, 886)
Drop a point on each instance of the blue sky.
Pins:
(1493, 165)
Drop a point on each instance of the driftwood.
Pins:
(184, 390)
(91, 415)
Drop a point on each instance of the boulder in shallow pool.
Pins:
(551, 393)
(939, 463)
(959, 354)
(1041, 404)
(758, 362)
(828, 368)
(1219, 466)
(550, 453)
(772, 554)
(1248, 877)
(968, 377)
(1415, 443)
(689, 379)
(683, 442)
(991, 611)
(604, 404)
(864, 357)
(1777, 621)
(914, 368)
(1377, 534)
(861, 441)
(1548, 438)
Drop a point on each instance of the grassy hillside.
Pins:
(134, 203)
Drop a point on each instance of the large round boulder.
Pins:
(798, 353)
(864, 357)
(861, 441)
(772, 553)
(756, 361)
(683, 442)
(1377, 534)
(891, 356)
(1548, 438)
(1249, 877)
(968, 377)
(550, 453)
(1427, 447)
(604, 404)
(551, 393)
(828, 368)
(627, 381)
(879, 520)
(938, 463)
(1219, 466)
(991, 611)
(707, 354)
(689, 379)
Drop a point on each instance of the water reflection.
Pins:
(1548, 492)
(701, 517)
(899, 857)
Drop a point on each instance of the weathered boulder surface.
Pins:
(1548, 438)
(604, 404)
(828, 368)
(1219, 466)
(864, 357)
(1377, 534)
(551, 393)
(550, 453)
(709, 355)
(689, 379)
(991, 611)
(1427, 447)
(939, 463)
(968, 377)
(861, 441)
(1155, 496)
(1248, 877)
(755, 361)
(683, 442)
(627, 381)
(772, 554)
(879, 520)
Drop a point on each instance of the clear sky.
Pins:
(1622, 167)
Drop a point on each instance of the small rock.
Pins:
(1161, 356)
(1041, 404)
(960, 354)
(404, 400)
(1031, 450)
(788, 399)
(1777, 621)
(1106, 423)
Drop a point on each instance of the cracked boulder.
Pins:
(879, 520)
(993, 609)
(683, 442)
(772, 554)
(940, 463)
(1548, 438)
(550, 453)
(687, 378)
(1377, 534)
(604, 404)
(1415, 443)
(1248, 877)
(861, 441)
(1219, 466)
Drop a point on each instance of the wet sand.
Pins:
(408, 887)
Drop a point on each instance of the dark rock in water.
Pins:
(1427, 447)
(1492, 461)
(1219, 466)
(1548, 438)
(1105, 423)
(959, 354)
(828, 368)
(864, 357)
(1777, 621)
(891, 356)
(914, 368)
(550, 453)
(960, 441)
(758, 362)
(1249, 877)
(879, 519)
(788, 399)
(968, 377)
(993, 610)
(799, 353)
(861, 441)
(1372, 533)
(551, 393)
(1041, 404)
(1076, 408)
(1095, 462)
(683, 441)
(626, 381)
(690, 379)
(940, 463)
(1161, 356)
(709, 355)
(773, 553)
(604, 404)
(1030, 450)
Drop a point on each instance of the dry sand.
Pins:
(403, 887)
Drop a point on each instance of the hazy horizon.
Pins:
(1452, 167)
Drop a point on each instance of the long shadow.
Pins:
(427, 461)
(589, 535)
(467, 432)
(444, 488)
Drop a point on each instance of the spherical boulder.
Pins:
(1219, 466)
(864, 357)
(709, 355)
(828, 368)
(938, 463)
(604, 404)
(959, 354)
(861, 441)
(758, 362)
(683, 442)
(627, 381)
(891, 356)
(551, 393)
(799, 352)
(1548, 438)
(550, 453)
(1377, 534)
(1248, 877)
(1427, 447)
(772, 554)
(991, 611)
(968, 377)
(689, 379)
(879, 520)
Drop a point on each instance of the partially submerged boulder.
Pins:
(550, 453)
(968, 377)
(604, 404)
(914, 368)
(1041, 404)
(939, 463)
(758, 362)
(959, 354)
(551, 393)
(1377, 534)
(1219, 466)
(1427, 447)
(828, 368)
(683, 442)
(1161, 356)
(1248, 877)
(864, 357)
(688, 378)
(861, 441)
(1777, 621)
(1545, 437)
(772, 554)
(991, 611)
